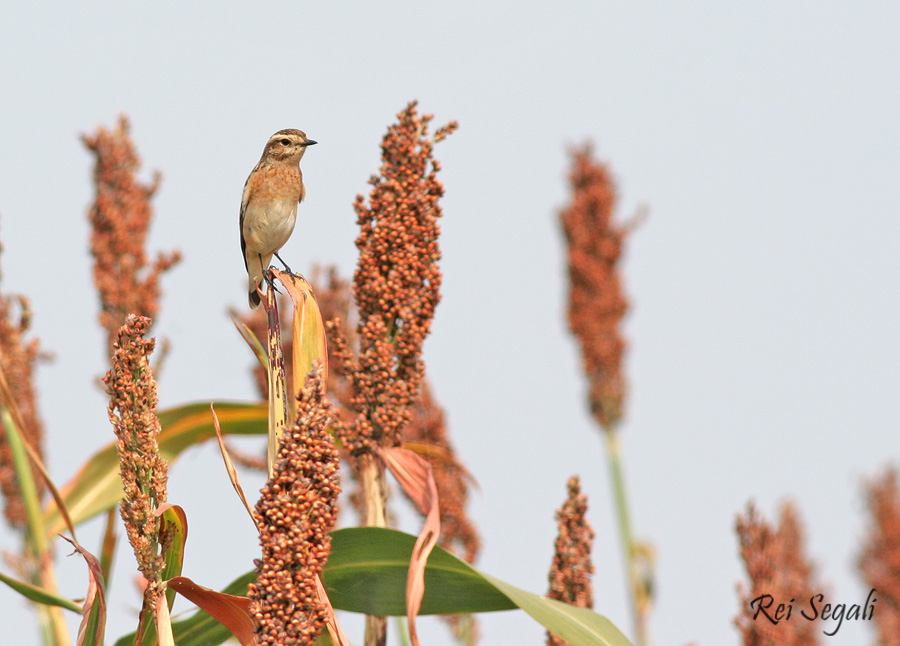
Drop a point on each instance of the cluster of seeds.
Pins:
(120, 219)
(596, 302)
(296, 511)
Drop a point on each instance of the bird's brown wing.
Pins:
(245, 199)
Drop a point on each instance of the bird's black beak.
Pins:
(310, 142)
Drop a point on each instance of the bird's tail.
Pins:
(255, 268)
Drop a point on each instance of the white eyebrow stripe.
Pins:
(290, 138)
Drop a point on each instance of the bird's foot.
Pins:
(271, 282)
(286, 268)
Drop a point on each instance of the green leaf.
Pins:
(25, 480)
(574, 625)
(97, 486)
(39, 595)
(368, 568)
(367, 571)
(175, 520)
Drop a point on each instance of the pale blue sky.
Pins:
(764, 357)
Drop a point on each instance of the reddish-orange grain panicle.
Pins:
(571, 570)
(777, 566)
(120, 220)
(880, 560)
(396, 285)
(296, 511)
(596, 300)
(144, 473)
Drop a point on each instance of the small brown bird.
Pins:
(269, 205)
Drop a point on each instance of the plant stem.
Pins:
(37, 548)
(375, 497)
(636, 586)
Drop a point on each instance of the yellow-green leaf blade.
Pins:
(38, 594)
(97, 486)
(574, 625)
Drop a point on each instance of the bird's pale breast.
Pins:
(271, 211)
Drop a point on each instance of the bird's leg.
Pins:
(286, 268)
(268, 277)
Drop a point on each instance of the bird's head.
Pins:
(287, 145)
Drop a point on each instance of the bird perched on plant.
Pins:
(269, 205)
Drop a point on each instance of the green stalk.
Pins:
(50, 618)
(36, 539)
(635, 585)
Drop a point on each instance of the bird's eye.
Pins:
(285, 142)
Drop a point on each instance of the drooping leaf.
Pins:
(442, 456)
(232, 611)
(415, 475)
(229, 466)
(93, 622)
(201, 629)
(38, 594)
(97, 486)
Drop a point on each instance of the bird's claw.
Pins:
(286, 268)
